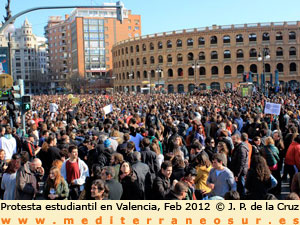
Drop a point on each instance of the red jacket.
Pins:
(292, 156)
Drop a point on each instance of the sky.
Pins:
(168, 15)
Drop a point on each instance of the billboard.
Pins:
(4, 60)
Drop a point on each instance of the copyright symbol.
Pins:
(220, 206)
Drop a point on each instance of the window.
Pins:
(137, 48)
(179, 43)
(151, 46)
(179, 58)
(253, 68)
(292, 35)
(279, 67)
(252, 37)
(267, 68)
(213, 40)
(239, 53)
(159, 45)
(131, 49)
(266, 37)
(227, 54)
(226, 39)
(169, 58)
(213, 55)
(279, 51)
(144, 47)
(253, 52)
(202, 71)
(227, 70)
(152, 60)
(240, 69)
(279, 36)
(170, 73)
(190, 42)
(137, 61)
(144, 61)
(169, 44)
(145, 74)
(292, 51)
(138, 74)
(201, 56)
(152, 73)
(191, 71)
(293, 67)
(201, 41)
(160, 59)
(180, 72)
(132, 62)
(190, 56)
(214, 70)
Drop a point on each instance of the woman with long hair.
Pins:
(271, 154)
(259, 179)
(56, 187)
(8, 184)
(128, 179)
(222, 148)
(49, 152)
(203, 168)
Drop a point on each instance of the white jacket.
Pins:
(83, 169)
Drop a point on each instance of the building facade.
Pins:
(213, 57)
(27, 51)
(80, 45)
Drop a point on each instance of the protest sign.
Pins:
(272, 108)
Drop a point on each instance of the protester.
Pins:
(162, 127)
(74, 171)
(220, 179)
(56, 187)
(27, 179)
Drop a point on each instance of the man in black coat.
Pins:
(115, 188)
(143, 174)
(239, 163)
(149, 157)
(162, 185)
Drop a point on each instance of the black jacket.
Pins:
(149, 157)
(131, 189)
(47, 158)
(239, 160)
(143, 174)
(161, 187)
(115, 189)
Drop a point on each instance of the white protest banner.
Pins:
(108, 109)
(272, 108)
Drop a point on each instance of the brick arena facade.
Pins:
(213, 57)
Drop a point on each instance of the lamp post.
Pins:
(195, 66)
(149, 73)
(158, 71)
(262, 56)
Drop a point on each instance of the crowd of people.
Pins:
(205, 145)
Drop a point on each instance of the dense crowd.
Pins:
(206, 145)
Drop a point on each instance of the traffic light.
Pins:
(26, 103)
(120, 13)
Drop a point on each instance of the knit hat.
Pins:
(107, 143)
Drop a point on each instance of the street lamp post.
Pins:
(261, 58)
(158, 71)
(195, 66)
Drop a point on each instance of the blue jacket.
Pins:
(224, 182)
